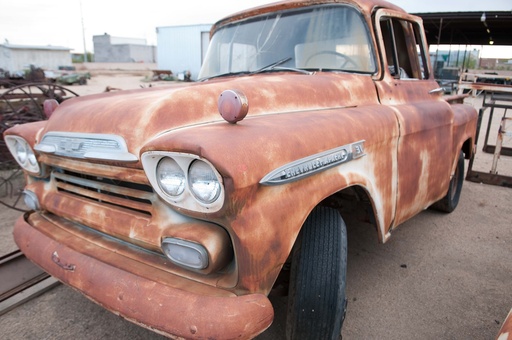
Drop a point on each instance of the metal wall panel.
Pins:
(180, 48)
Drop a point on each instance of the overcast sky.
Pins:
(59, 22)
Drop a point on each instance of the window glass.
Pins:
(404, 51)
(316, 37)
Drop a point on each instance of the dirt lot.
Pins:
(439, 277)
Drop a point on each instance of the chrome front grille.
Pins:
(85, 145)
(126, 195)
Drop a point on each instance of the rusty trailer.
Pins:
(494, 97)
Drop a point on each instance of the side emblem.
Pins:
(313, 164)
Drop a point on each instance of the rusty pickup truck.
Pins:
(178, 207)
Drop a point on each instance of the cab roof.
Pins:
(366, 6)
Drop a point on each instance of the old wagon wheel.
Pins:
(24, 103)
(19, 105)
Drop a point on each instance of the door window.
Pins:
(404, 53)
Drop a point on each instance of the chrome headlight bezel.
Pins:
(23, 153)
(188, 199)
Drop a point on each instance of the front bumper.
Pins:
(160, 301)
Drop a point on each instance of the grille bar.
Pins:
(100, 191)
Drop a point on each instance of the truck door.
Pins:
(424, 154)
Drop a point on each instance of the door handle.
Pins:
(436, 91)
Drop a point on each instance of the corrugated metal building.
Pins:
(182, 48)
(109, 49)
(19, 57)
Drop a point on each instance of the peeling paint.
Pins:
(393, 140)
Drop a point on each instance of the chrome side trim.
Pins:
(313, 164)
(438, 90)
(86, 145)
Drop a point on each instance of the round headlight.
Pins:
(170, 177)
(32, 158)
(203, 182)
(21, 152)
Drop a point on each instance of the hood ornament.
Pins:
(233, 106)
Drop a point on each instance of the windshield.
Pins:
(315, 38)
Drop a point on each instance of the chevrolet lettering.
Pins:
(310, 165)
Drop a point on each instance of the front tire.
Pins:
(449, 202)
(316, 299)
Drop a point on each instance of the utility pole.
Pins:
(83, 31)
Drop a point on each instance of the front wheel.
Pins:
(449, 202)
(316, 299)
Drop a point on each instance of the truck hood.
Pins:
(140, 115)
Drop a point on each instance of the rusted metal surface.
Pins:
(505, 130)
(101, 223)
(484, 82)
(456, 99)
(366, 6)
(168, 303)
(494, 97)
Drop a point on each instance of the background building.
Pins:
(182, 48)
(109, 49)
(18, 57)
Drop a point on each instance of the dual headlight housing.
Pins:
(184, 180)
(22, 153)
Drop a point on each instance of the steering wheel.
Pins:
(346, 58)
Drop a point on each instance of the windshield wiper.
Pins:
(279, 68)
(272, 66)
(275, 66)
(225, 75)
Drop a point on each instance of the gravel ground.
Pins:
(440, 276)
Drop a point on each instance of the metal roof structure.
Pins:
(34, 47)
(468, 28)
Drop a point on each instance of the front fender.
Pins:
(264, 221)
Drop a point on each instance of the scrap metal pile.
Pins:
(65, 75)
(494, 119)
(18, 105)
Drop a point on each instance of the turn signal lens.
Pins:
(185, 253)
(31, 200)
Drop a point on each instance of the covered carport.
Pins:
(468, 28)
(480, 28)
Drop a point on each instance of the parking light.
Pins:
(185, 253)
